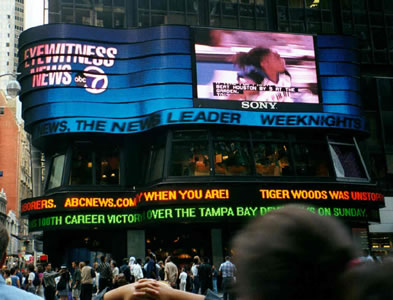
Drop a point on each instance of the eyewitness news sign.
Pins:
(86, 79)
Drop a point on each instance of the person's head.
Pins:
(75, 264)
(48, 267)
(103, 258)
(139, 261)
(4, 238)
(113, 264)
(227, 258)
(291, 253)
(81, 265)
(40, 268)
(132, 260)
(7, 273)
(168, 259)
(368, 282)
(267, 60)
(196, 260)
(13, 271)
(63, 268)
(121, 280)
(31, 267)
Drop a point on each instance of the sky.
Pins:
(34, 11)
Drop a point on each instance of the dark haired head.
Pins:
(251, 58)
(31, 267)
(3, 241)
(291, 253)
(368, 282)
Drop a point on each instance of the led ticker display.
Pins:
(112, 201)
(176, 214)
(255, 70)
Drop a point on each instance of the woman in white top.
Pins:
(183, 279)
(137, 270)
(115, 271)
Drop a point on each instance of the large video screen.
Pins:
(254, 70)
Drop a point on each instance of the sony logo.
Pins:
(259, 105)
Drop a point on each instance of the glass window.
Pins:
(385, 88)
(232, 158)
(272, 159)
(144, 19)
(176, 18)
(81, 165)
(143, 4)
(296, 3)
(368, 87)
(359, 4)
(155, 160)
(119, 3)
(387, 117)
(311, 160)
(389, 163)
(346, 161)
(190, 154)
(192, 6)
(67, 15)
(388, 6)
(108, 167)
(379, 39)
(118, 20)
(229, 8)
(56, 172)
(176, 5)
(158, 5)
(158, 19)
(375, 5)
(190, 159)
(82, 16)
(104, 19)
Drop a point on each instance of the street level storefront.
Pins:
(171, 138)
(218, 211)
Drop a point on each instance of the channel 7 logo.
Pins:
(93, 79)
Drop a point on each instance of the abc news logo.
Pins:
(93, 79)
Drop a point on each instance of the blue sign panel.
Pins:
(87, 79)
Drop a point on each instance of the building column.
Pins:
(216, 239)
(136, 243)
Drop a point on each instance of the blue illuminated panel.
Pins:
(78, 79)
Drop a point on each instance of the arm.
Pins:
(150, 289)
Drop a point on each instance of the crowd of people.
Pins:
(86, 281)
(290, 253)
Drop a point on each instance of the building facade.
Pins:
(11, 25)
(172, 150)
